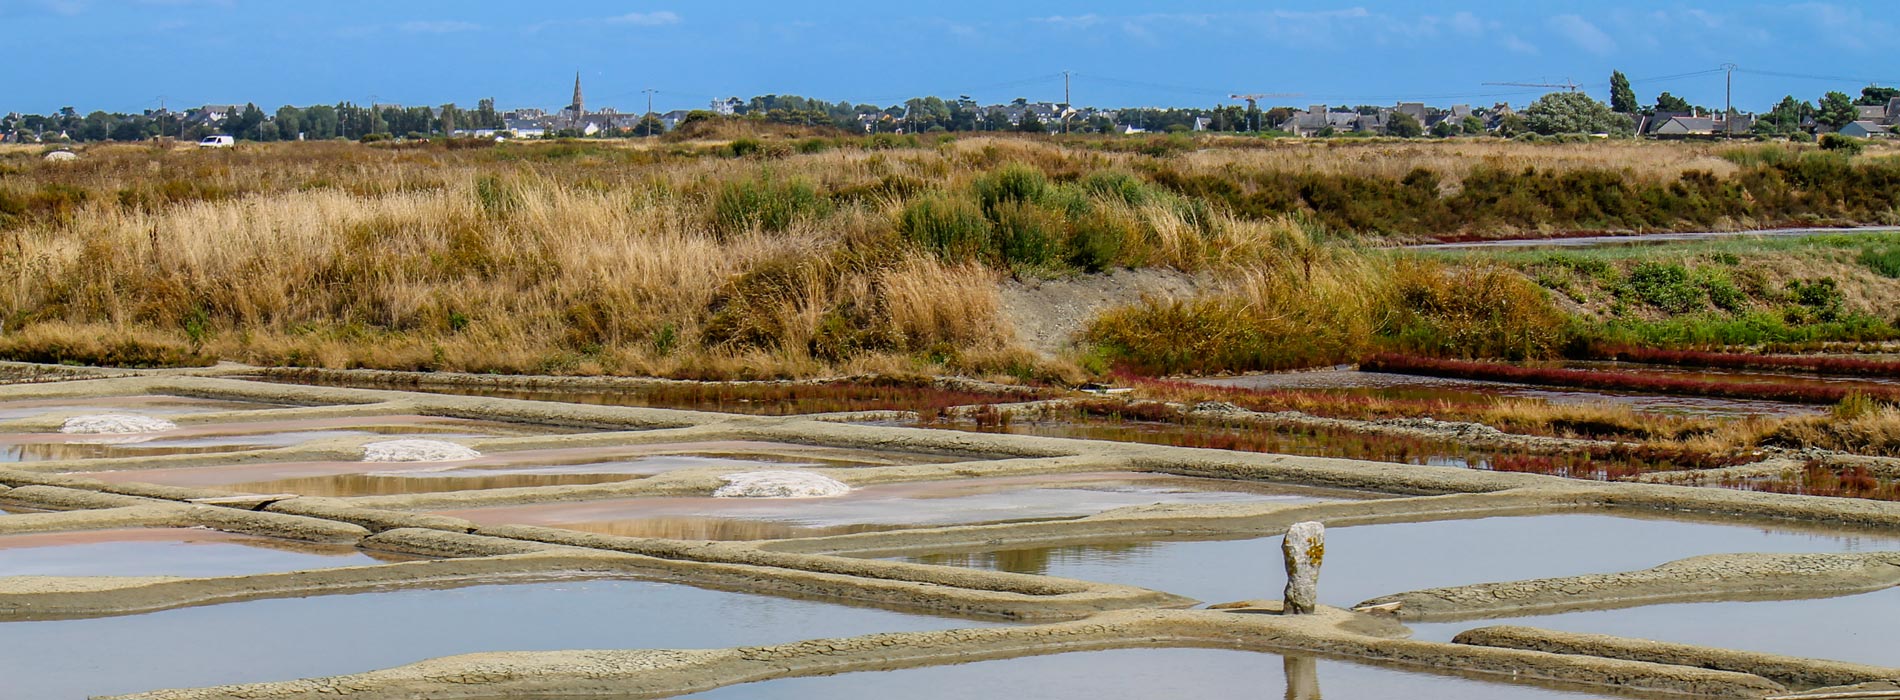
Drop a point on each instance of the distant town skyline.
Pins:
(134, 55)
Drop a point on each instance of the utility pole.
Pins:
(1067, 106)
(649, 114)
(1728, 103)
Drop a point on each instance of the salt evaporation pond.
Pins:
(1405, 386)
(232, 437)
(891, 506)
(285, 639)
(1368, 561)
(1143, 674)
(1859, 628)
(153, 405)
(553, 467)
(191, 552)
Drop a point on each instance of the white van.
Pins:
(217, 141)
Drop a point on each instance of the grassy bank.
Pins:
(785, 254)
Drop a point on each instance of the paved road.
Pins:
(1590, 241)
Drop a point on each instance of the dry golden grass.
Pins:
(615, 257)
(502, 260)
(1869, 432)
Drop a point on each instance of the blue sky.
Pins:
(123, 55)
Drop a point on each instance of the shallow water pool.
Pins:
(1368, 561)
(270, 640)
(893, 506)
(193, 552)
(1860, 628)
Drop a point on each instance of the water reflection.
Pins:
(1302, 677)
(1043, 560)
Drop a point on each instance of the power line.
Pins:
(1827, 78)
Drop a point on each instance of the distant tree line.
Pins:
(1556, 113)
(288, 123)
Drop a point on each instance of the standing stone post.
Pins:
(1304, 547)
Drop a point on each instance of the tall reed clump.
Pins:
(1472, 311)
(1016, 217)
(1282, 315)
(1859, 424)
(1319, 306)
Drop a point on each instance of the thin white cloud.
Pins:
(657, 18)
(1467, 24)
(1516, 44)
(1071, 22)
(645, 19)
(438, 27)
(1585, 35)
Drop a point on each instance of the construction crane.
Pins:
(1567, 84)
(1253, 103)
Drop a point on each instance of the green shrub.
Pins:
(1116, 185)
(1822, 297)
(1013, 183)
(1028, 235)
(1885, 261)
(1665, 286)
(495, 196)
(768, 203)
(744, 146)
(814, 145)
(950, 227)
(1099, 241)
(1722, 290)
(1842, 144)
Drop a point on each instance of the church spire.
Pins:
(580, 108)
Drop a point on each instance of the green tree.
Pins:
(1671, 103)
(1030, 124)
(996, 120)
(650, 125)
(1622, 98)
(1877, 95)
(1511, 125)
(1472, 125)
(1837, 110)
(1574, 113)
(1785, 118)
(1447, 128)
(1404, 126)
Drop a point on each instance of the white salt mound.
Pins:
(417, 451)
(59, 156)
(115, 424)
(780, 484)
